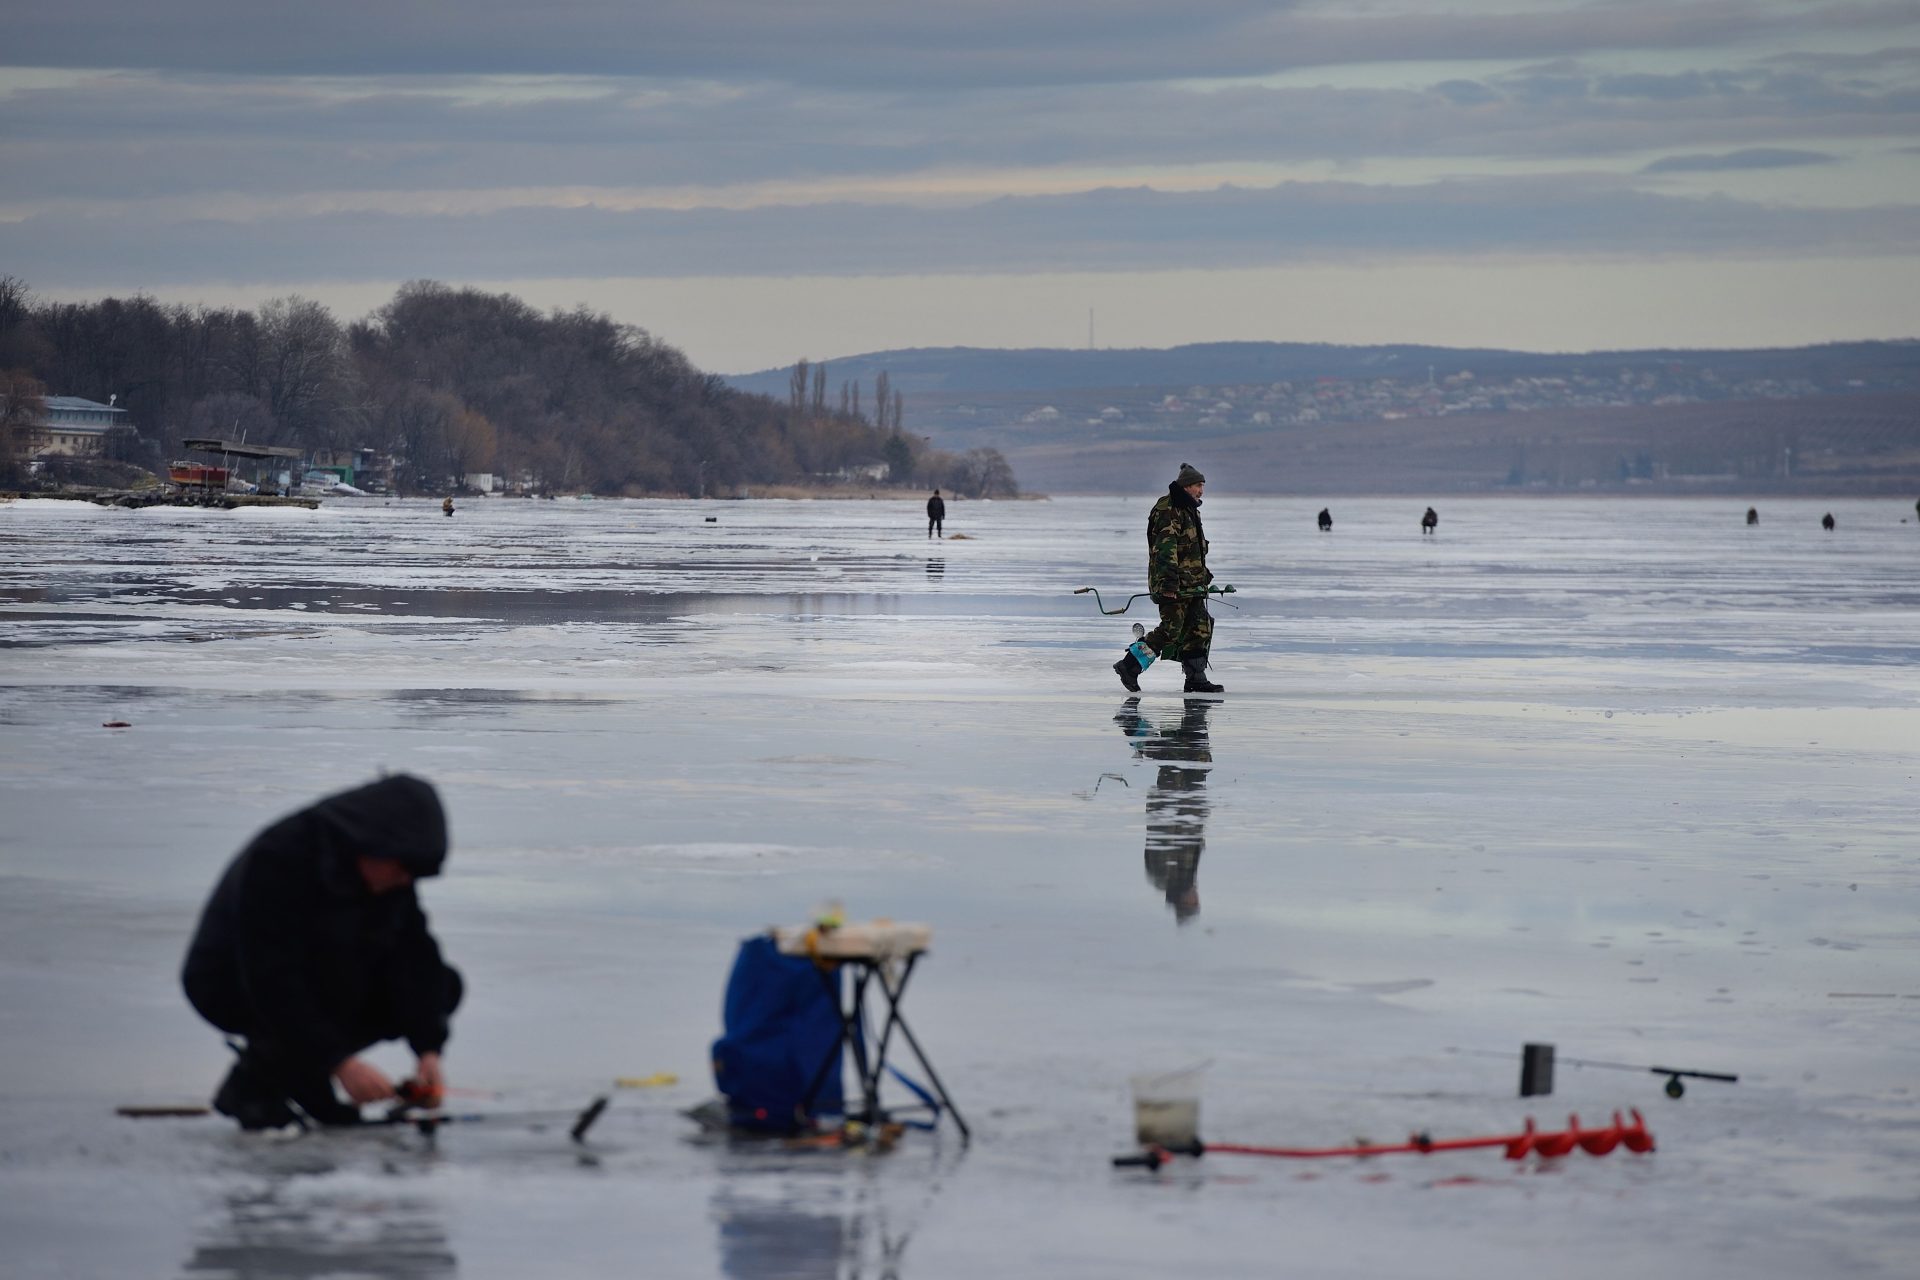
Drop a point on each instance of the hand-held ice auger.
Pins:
(1529, 1141)
(1101, 604)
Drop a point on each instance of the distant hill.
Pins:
(1318, 418)
(1879, 365)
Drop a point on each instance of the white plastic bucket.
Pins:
(1166, 1107)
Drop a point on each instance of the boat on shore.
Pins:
(199, 475)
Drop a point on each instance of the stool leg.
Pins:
(849, 1034)
(869, 1069)
(933, 1078)
(895, 993)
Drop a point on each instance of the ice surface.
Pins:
(1625, 776)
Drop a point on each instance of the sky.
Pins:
(757, 181)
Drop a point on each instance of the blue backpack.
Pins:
(781, 1023)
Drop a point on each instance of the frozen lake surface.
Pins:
(1624, 776)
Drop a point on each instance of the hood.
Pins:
(398, 817)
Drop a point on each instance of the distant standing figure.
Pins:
(1826, 522)
(1430, 521)
(446, 505)
(1753, 515)
(1326, 520)
(936, 515)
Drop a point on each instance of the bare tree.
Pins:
(797, 388)
(303, 369)
(23, 403)
(471, 443)
(820, 391)
(20, 344)
(231, 415)
(882, 401)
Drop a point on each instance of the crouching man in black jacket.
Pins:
(313, 948)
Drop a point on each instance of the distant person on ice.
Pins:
(1429, 522)
(1326, 520)
(1753, 515)
(313, 948)
(936, 515)
(1177, 578)
(446, 505)
(1826, 522)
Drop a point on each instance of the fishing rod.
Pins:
(1537, 1062)
(1101, 604)
(1675, 1088)
(427, 1120)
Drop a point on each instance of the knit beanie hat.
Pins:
(1189, 476)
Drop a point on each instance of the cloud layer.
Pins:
(222, 141)
(1290, 223)
(884, 42)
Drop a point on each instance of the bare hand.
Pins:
(363, 1081)
(430, 1084)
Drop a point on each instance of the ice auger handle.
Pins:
(1144, 595)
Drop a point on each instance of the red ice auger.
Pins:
(1633, 1136)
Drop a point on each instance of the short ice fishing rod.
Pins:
(427, 1120)
(1537, 1061)
(1101, 604)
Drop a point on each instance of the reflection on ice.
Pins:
(300, 1227)
(1177, 800)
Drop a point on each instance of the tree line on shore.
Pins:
(453, 381)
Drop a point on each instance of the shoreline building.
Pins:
(75, 427)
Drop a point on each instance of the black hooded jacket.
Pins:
(293, 948)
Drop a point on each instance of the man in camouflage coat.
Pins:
(1177, 578)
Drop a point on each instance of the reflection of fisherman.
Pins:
(1177, 801)
(936, 515)
(446, 505)
(313, 948)
(1177, 578)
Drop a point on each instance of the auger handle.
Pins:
(1144, 1160)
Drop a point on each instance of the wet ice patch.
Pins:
(727, 858)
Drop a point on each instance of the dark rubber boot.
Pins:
(1128, 669)
(249, 1095)
(1197, 682)
(312, 1092)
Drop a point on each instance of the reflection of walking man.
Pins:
(936, 515)
(1177, 801)
(1177, 578)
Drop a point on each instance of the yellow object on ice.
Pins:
(654, 1081)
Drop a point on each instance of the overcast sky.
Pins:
(760, 180)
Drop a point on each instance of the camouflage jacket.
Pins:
(1176, 546)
